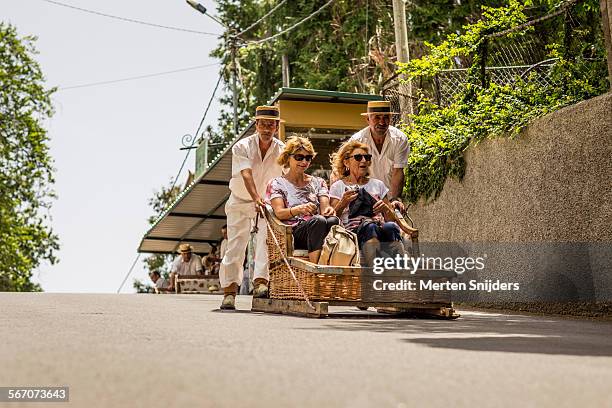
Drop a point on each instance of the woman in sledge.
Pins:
(302, 200)
(362, 204)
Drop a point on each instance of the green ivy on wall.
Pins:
(440, 135)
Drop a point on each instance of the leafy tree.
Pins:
(348, 47)
(26, 168)
(160, 201)
(326, 52)
(141, 287)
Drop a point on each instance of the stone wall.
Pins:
(547, 194)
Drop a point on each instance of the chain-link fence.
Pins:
(520, 53)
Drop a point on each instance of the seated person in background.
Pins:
(246, 285)
(211, 262)
(160, 283)
(187, 263)
(362, 202)
(302, 200)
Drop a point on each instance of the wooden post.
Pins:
(285, 71)
(437, 91)
(567, 35)
(234, 86)
(281, 132)
(606, 21)
(403, 55)
(484, 55)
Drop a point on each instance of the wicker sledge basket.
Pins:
(337, 284)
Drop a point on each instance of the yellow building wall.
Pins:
(323, 115)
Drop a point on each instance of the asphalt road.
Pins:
(179, 351)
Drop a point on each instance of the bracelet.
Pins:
(290, 213)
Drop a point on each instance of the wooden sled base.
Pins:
(321, 309)
(291, 307)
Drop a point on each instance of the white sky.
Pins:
(113, 145)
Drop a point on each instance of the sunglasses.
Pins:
(360, 157)
(302, 157)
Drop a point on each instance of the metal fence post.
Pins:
(437, 91)
(484, 54)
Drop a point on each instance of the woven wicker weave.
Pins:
(282, 232)
(320, 282)
(323, 282)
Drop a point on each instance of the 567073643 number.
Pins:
(21, 394)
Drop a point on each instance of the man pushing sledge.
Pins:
(253, 166)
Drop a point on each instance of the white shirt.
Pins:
(375, 187)
(193, 267)
(394, 153)
(247, 155)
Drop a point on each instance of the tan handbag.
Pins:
(340, 248)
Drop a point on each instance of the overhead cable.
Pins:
(114, 81)
(261, 19)
(195, 137)
(129, 20)
(293, 26)
(129, 272)
(212, 97)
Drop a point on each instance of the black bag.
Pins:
(363, 205)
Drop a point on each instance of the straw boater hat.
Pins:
(268, 112)
(379, 108)
(184, 248)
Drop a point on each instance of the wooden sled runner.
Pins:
(327, 286)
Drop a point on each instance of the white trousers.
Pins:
(240, 218)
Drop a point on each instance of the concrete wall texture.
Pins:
(543, 201)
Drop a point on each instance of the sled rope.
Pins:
(255, 228)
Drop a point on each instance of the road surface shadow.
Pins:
(492, 332)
